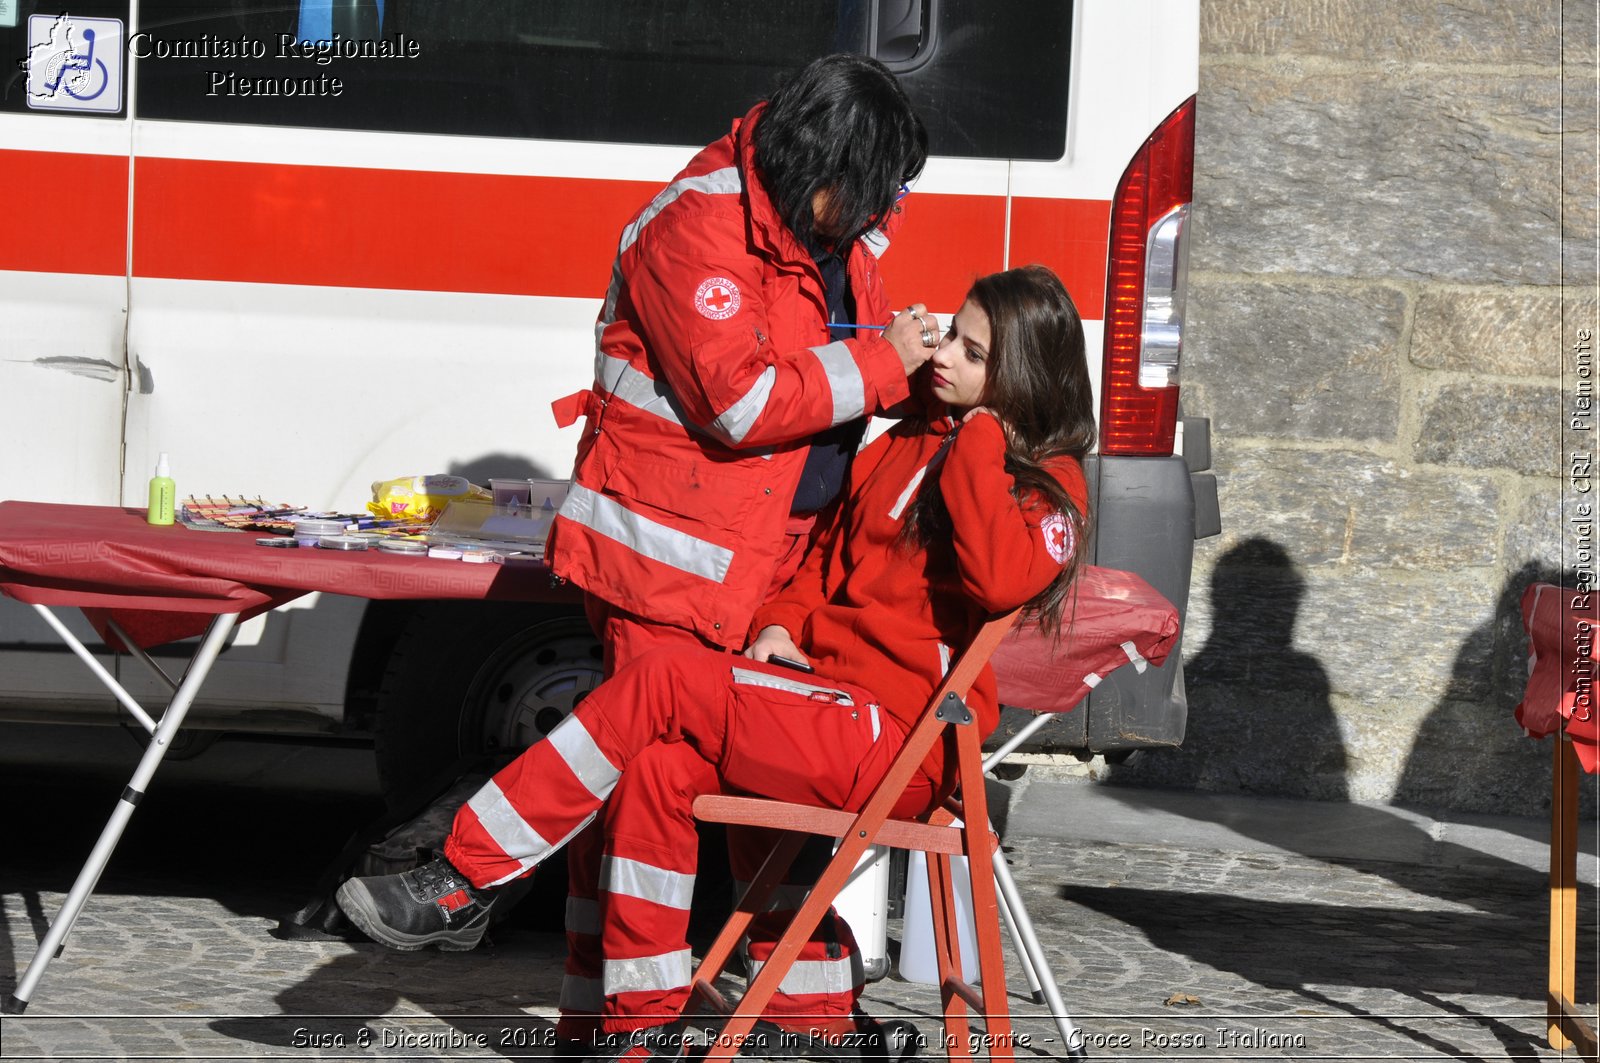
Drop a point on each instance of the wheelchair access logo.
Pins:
(74, 64)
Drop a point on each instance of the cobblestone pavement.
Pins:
(1224, 943)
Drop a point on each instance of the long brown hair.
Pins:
(1038, 385)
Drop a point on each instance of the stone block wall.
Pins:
(1394, 252)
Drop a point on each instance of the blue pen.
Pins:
(852, 324)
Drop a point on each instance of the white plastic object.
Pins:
(864, 904)
(919, 960)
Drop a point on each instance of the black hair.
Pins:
(1038, 386)
(844, 125)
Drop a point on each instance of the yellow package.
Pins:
(421, 498)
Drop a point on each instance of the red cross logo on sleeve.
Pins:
(717, 298)
(1057, 537)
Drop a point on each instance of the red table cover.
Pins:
(161, 584)
(1561, 623)
(1113, 618)
(165, 583)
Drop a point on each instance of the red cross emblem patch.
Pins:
(717, 298)
(1057, 537)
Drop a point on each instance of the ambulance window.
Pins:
(989, 76)
(70, 75)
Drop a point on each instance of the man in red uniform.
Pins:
(727, 403)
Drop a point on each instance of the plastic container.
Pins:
(163, 494)
(919, 960)
(864, 904)
(310, 532)
(531, 493)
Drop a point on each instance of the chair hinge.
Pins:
(953, 710)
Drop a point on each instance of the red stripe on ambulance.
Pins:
(415, 230)
(64, 213)
(360, 228)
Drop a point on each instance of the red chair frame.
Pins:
(946, 717)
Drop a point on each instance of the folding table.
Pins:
(142, 586)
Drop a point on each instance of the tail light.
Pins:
(1145, 285)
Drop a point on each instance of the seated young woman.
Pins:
(973, 508)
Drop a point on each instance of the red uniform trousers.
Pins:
(831, 962)
(663, 720)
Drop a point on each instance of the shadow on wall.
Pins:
(502, 466)
(1471, 723)
(1260, 719)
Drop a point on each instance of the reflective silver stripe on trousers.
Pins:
(581, 994)
(578, 750)
(680, 550)
(514, 835)
(748, 677)
(718, 182)
(634, 878)
(669, 970)
(844, 379)
(583, 916)
(811, 977)
(944, 659)
(877, 722)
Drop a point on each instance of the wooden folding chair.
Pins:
(945, 718)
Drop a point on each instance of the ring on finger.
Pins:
(927, 336)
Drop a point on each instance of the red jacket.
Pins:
(866, 609)
(714, 371)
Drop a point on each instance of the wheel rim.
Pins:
(530, 685)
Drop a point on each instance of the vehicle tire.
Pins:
(478, 677)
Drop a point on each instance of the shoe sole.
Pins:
(356, 902)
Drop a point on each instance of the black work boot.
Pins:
(429, 905)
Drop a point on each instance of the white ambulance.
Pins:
(303, 248)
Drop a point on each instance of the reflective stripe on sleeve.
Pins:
(815, 977)
(1135, 657)
(844, 380)
(718, 182)
(625, 382)
(736, 421)
(679, 550)
(876, 241)
(634, 878)
(669, 970)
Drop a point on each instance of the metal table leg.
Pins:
(171, 719)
